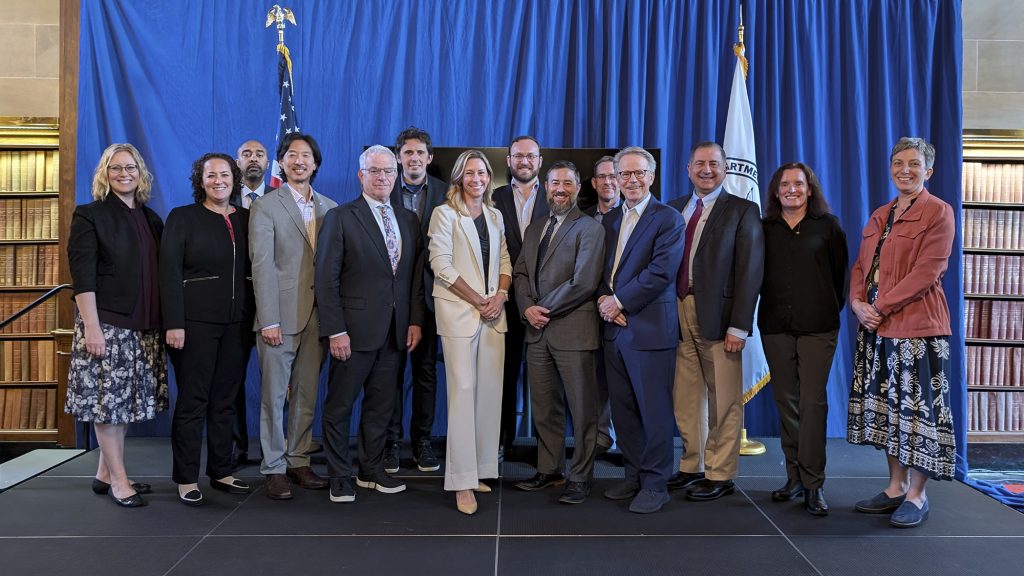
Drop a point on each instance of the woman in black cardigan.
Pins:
(118, 372)
(206, 287)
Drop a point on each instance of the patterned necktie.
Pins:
(389, 238)
(683, 277)
(542, 250)
(252, 196)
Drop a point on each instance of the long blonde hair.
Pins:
(454, 197)
(101, 184)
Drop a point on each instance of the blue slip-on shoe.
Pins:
(908, 515)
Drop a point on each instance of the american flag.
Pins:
(288, 121)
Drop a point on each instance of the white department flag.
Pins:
(741, 180)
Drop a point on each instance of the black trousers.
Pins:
(208, 371)
(424, 388)
(374, 374)
(515, 339)
(240, 430)
(800, 364)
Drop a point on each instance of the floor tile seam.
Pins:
(518, 536)
(211, 531)
(781, 532)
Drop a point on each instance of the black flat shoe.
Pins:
(236, 486)
(133, 501)
(101, 487)
(191, 498)
(814, 500)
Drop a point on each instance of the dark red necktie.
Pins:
(683, 277)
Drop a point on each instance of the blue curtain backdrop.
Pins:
(832, 83)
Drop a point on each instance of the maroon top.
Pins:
(146, 314)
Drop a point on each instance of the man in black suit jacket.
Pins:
(520, 202)
(369, 292)
(419, 192)
(716, 292)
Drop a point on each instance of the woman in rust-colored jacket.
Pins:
(899, 398)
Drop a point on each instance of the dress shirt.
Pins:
(709, 205)
(599, 216)
(414, 200)
(375, 210)
(246, 201)
(524, 205)
(308, 211)
(630, 216)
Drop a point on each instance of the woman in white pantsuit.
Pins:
(472, 274)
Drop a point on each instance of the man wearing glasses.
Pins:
(521, 201)
(370, 294)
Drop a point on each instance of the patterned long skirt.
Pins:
(899, 401)
(128, 384)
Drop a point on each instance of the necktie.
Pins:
(542, 250)
(628, 223)
(389, 238)
(683, 277)
(252, 196)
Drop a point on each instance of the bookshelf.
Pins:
(993, 232)
(33, 368)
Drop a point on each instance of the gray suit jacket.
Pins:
(565, 281)
(283, 260)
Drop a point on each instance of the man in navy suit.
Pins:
(643, 249)
(520, 202)
(418, 192)
(716, 291)
(370, 298)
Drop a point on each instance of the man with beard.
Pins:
(606, 184)
(520, 202)
(252, 159)
(283, 226)
(419, 192)
(555, 277)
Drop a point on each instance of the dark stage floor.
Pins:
(53, 524)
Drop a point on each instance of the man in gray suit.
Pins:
(555, 278)
(283, 226)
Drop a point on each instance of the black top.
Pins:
(485, 244)
(205, 274)
(806, 275)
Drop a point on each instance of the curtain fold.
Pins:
(832, 83)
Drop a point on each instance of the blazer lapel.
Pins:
(641, 225)
(370, 228)
(566, 226)
(284, 194)
(469, 229)
(721, 205)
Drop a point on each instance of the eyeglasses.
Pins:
(625, 175)
(521, 157)
(129, 169)
(610, 176)
(388, 172)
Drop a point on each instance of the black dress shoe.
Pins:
(101, 487)
(236, 486)
(710, 490)
(681, 480)
(792, 489)
(814, 499)
(575, 492)
(541, 481)
(133, 501)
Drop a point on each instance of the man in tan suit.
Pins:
(555, 278)
(283, 225)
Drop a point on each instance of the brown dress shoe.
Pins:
(277, 487)
(305, 477)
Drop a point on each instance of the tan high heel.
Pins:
(482, 488)
(467, 508)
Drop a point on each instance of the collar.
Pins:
(299, 197)
(709, 199)
(374, 204)
(259, 190)
(640, 207)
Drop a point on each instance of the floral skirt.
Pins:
(899, 401)
(128, 384)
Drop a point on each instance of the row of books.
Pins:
(28, 171)
(993, 274)
(995, 411)
(27, 361)
(28, 408)
(1000, 229)
(40, 320)
(29, 218)
(995, 366)
(998, 319)
(28, 265)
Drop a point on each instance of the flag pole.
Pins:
(287, 119)
(747, 447)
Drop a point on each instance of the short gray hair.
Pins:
(652, 165)
(919, 144)
(364, 158)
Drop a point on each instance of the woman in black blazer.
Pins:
(206, 285)
(118, 373)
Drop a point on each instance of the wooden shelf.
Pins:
(33, 336)
(997, 388)
(994, 205)
(994, 296)
(44, 289)
(28, 384)
(33, 241)
(992, 251)
(29, 194)
(993, 342)
(995, 437)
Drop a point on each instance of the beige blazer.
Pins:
(455, 253)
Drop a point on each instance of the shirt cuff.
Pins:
(339, 334)
(278, 325)
(737, 332)
(617, 303)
